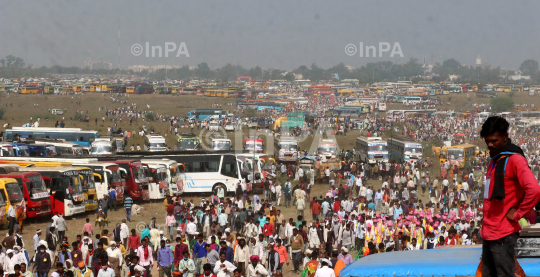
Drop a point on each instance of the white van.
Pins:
(57, 111)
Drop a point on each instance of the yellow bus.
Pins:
(30, 89)
(503, 88)
(458, 155)
(12, 195)
(130, 89)
(89, 187)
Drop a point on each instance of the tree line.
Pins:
(383, 71)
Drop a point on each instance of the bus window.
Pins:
(229, 167)
(14, 192)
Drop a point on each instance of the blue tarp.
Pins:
(435, 262)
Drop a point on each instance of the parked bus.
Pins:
(174, 172)
(327, 148)
(412, 100)
(154, 142)
(103, 146)
(188, 142)
(7, 168)
(109, 178)
(34, 191)
(371, 150)
(285, 149)
(13, 196)
(253, 144)
(88, 185)
(65, 189)
(202, 115)
(158, 185)
(75, 135)
(221, 143)
(134, 174)
(404, 150)
(459, 155)
(63, 148)
(205, 172)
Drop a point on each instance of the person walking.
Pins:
(128, 202)
(511, 191)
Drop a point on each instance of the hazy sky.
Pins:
(274, 34)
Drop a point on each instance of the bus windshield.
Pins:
(188, 144)
(115, 176)
(378, 147)
(158, 144)
(138, 174)
(327, 148)
(35, 185)
(413, 150)
(72, 184)
(455, 153)
(251, 144)
(87, 181)
(14, 192)
(221, 145)
(101, 149)
(288, 146)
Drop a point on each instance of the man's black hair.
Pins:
(494, 124)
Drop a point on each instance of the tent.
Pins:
(459, 261)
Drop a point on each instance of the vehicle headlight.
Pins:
(70, 205)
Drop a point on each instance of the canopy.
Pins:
(462, 261)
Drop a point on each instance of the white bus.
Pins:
(154, 142)
(174, 178)
(158, 185)
(404, 150)
(371, 150)
(205, 172)
(285, 149)
(327, 148)
(221, 143)
(103, 146)
(412, 100)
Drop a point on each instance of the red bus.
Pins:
(34, 192)
(136, 181)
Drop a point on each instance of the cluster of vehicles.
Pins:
(371, 150)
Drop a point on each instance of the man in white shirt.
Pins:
(278, 193)
(325, 271)
(255, 269)
(36, 239)
(11, 217)
(223, 268)
(414, 245)
(191, 229)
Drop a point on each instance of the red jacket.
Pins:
(267, 229)
(522, 193)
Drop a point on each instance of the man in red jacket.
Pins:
(510, 192)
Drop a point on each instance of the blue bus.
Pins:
(205, 114)
(75, 135)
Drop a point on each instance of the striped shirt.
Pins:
(128, 202)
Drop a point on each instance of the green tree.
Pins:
(529, 67)
(502, 104)
(289, 77)
(149, 116)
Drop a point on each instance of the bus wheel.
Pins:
(215, 188)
